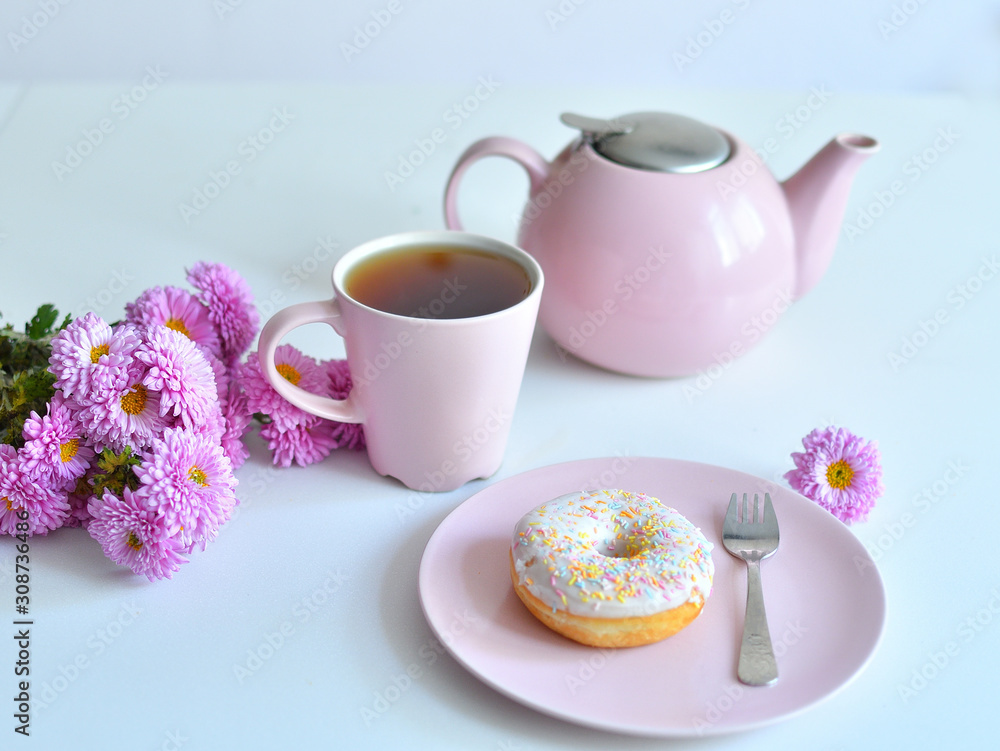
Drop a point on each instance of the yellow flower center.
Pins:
(197, 475)
(68, 450)
(134, 401)
(839, 475)
(289, 373)
(134, 542)
(178, 325)
(10, 505)
(96, 352)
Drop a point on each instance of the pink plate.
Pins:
(824, 596)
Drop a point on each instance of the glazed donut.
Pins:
(611, 568)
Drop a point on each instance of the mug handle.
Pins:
(280, 324)
(533, 163)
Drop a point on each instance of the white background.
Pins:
(860, 45)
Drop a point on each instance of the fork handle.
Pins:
(757, 666)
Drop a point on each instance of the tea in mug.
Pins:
(438, 282)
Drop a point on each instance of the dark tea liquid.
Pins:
(438, 282)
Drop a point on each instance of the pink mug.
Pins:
(435, 395)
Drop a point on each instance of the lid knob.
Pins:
(655, 141)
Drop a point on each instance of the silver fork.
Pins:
(751, 539)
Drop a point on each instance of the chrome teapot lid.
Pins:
(655, 141)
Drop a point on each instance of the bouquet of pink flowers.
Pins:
(133, 430)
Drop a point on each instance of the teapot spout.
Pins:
(817, 198)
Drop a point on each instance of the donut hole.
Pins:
(611, 545)
(631, 541)
(630, 537)
(618, 551)
(619, 548)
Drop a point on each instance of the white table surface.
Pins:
(158, 659)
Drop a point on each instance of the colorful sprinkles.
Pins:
(611, 553)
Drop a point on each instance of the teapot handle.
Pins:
(533, 163)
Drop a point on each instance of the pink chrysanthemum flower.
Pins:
(132, 535)
(79, 516)
(212, 428)
(345, 435)
(9, 477)
(306, 443)
(237, 422)
(188, 480)
(125, 414)
(230, 306)
(221, 374)
(181, 375)
(297, 368)
(55, 445)
(176, 309)
(88, 354)
(340, 378)
(47, 507)
(839, 471)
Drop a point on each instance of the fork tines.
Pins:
(759, 515)
(740, 512)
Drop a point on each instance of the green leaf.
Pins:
(41, 325)
(26, 386)
(20, 352)
(115, 472)
(21, 394)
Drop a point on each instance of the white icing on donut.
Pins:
(611, 554)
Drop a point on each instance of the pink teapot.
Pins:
(666, 245)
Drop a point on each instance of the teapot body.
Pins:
(658, 274)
